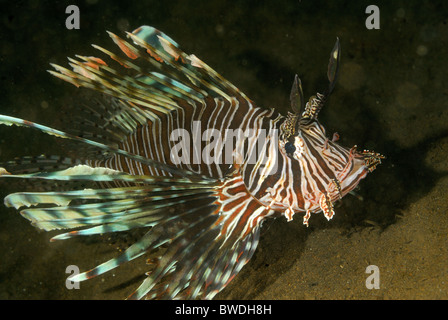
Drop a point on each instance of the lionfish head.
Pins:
(322, 159)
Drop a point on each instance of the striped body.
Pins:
(173, 147)
(153, 139)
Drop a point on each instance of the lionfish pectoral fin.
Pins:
(41, 163)
(207, 253)
(210, 227)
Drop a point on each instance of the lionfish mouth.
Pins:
(372, 159)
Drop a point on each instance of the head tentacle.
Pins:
(315, 103)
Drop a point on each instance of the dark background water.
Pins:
(391, 97)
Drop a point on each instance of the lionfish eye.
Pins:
(289, 147)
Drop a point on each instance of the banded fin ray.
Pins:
(7, 120)
(175, 75)
(139, 203)
(102, 118)
(199, 222)
(41, 163)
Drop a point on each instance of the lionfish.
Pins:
(205, 215)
